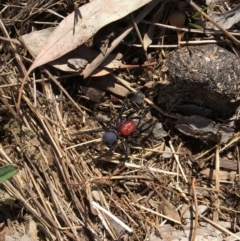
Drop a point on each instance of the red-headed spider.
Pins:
(126, 129)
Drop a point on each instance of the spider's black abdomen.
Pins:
(109, 138)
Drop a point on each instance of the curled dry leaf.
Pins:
(94, 16)
(34, 42)
(204, 129)
(78, 58)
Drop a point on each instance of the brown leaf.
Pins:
(94, 16)
(168, 209)
(93, 94)
(108, 83)
(34, 42)
(68, 35)
(210, 173)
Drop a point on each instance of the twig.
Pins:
(238, 161)
(197, 42)
(156, 213)
(196, 210)
(214, 22)
(190, 30)
(132, 165)
(127, 85)
(97, 206)
(99, 59)
(179, 164)
(220, 227)
(139, 36)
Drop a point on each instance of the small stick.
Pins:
(214, 22)
(97, 206)
(196, 210)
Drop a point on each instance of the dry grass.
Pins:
(51, 196)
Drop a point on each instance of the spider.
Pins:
(125, 129)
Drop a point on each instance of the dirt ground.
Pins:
(142, 145)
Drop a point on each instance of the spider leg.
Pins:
(150, 132)
(128, 116)
(89, 131)
(134, 142)
(141, 143)
(119, 119)
(124, 147)
(109, 151)
(139, 117)
(149, 123)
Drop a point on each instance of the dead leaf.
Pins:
(168, 209)
(94, 16)
(70, 33)
(148, 36)
(203, 128)
(108, 83)
(3, 231)
(93, 94)
(210, 173)
(190, 213)
(228, 164)
(226, 19)
(100, 58)
(77, 63)
(49, 155)
(80, 56)
(167, 150)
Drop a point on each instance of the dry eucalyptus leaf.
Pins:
(69, 62)
(35, 40)
(69, 35)
(168, 209)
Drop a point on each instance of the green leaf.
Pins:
(7, 172)
(199, 12)
(195, 26)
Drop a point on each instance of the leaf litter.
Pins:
(70, 34)
(60, 183)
